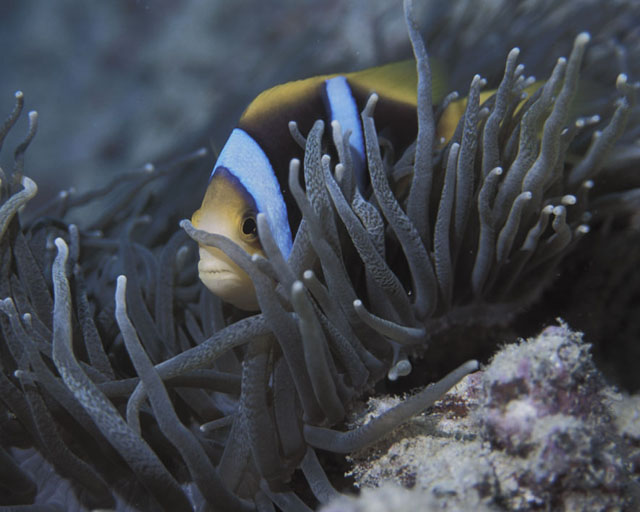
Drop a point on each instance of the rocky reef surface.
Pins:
(537, 428)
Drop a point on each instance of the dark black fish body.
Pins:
(254, 162)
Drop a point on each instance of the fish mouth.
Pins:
(214, 269)
(217, 272)
(226, 280)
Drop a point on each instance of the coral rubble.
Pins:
(536, 428)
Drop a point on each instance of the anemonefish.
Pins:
(250, 175)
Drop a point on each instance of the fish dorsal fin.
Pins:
(398, 81)
(282, 98)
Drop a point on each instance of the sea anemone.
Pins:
(140, 391)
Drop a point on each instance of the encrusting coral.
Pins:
(130, 380)
(536, 428)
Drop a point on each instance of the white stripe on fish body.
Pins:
(245, 159)
(343, 108)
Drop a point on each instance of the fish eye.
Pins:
(250, 227)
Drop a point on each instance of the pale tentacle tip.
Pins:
(297, 287)
(583, 38)
(621, 79)
(121, 290)
(61, 245)
(30, 185)
(583, 229)
(401, 369)
(471, 366)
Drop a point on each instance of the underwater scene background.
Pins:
(149, 393)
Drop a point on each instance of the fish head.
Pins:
(229, 210)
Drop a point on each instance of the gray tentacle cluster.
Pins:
(145, 390)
